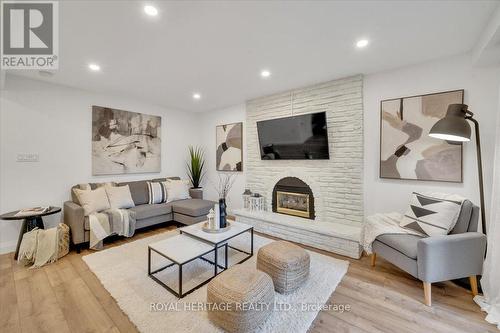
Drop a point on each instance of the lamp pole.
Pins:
(470, 116)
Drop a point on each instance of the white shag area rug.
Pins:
(123, 272)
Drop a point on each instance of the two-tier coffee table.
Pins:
(193, 243)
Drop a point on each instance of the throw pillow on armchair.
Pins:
(432, 215)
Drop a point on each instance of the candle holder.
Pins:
(246, 198)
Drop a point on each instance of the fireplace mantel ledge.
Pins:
(334, 229)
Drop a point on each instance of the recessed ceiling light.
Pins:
(150, 10)
(362, 43)
(265, 73)
(94, 67)
(196, 96)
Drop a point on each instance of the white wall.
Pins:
(481, 94)
(208, 121)
(384, 195)
(55, 122)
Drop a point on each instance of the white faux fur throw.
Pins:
(389, 223)
(379, 224)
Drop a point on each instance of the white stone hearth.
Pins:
(329, 236)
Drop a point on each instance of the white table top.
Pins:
(181, 248)
(197, 231)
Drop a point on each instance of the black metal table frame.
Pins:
(223, 244)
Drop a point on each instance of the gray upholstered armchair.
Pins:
(457, 255)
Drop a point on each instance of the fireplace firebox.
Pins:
(292, 196)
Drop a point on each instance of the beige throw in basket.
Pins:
(42, 246)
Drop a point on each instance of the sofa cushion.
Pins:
(463, 221)
(146, 211)
(159, 180)
(406, 244)
(139, 191)
(192, 207)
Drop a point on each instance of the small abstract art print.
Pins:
(406, 150)
(229, 153)
(125, 142)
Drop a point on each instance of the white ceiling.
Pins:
(219, 48)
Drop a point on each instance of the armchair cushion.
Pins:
(396, 258)
(404, 243)
(441, 258)
(464, 218)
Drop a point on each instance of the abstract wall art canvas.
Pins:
(125, 142)
(229, 153)
(406, 150)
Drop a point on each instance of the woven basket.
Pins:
(286, 263)
(62, 240)
(247, 296)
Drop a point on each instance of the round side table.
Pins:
(29, 222)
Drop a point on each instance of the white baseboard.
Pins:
(8, 247)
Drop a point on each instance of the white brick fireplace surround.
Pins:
(337, 183)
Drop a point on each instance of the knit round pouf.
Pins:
(240, 299)
(286, 263)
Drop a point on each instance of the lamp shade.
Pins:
(454, 126)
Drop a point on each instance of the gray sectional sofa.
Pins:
(186, 211)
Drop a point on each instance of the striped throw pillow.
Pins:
(157, 193)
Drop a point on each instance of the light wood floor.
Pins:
(67, 297)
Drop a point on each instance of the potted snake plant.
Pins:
(196, 168)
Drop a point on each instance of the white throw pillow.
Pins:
(177, 190)
(93, 200)
(431, 215)
(119, 197)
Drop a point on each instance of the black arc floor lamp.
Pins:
(455, 128)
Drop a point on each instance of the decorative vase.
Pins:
(222, 213)
(196, 192)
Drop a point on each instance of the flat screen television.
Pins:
(303, 137)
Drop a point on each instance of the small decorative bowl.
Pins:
(205, 228)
